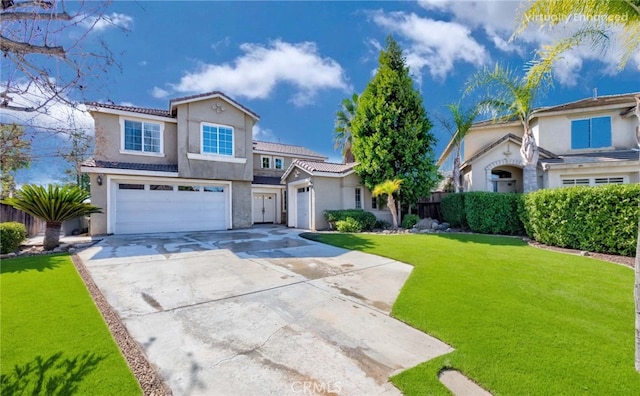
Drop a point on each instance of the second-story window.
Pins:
(217, 139)
(142, 136)
(266, 162)
(358, 198)
(591, 133)
(278, 163)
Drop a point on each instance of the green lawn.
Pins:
(523, 320)
(53, 340)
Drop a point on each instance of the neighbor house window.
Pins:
(374, 203)
(358, 198)
(278, 163)
(142, 136)
(591, 133)
(266, 162)
(217, 139)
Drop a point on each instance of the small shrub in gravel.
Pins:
(410, 220)
(349, 225)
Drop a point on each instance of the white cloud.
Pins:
(55, 116)
(266, 135)
(255, 74)
(436, 45)
(498, 21)
(159, 93)
(104, 22)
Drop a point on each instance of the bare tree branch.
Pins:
(17, 16)
(8, 45)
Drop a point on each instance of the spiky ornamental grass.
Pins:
(53, 204)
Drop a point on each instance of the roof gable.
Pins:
(510, 137)
(212, 95)
(317, 168)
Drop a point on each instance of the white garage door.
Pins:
(302, 203)
(149, 207)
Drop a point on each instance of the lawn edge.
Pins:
(146, 374)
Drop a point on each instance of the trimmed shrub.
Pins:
(366, 220)
(381, 224)
(453, 211)
(11, 236)
(349, 225)
(597, 219)
(493, 213)
(410, 220)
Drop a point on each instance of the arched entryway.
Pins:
(505, 176)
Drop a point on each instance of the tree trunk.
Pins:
(391, 203)
(52, 235)
(456, 174)
(530, 178)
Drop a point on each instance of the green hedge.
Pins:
(453, 212)
(366, 220)
(596, 219)
(493, 213)
(11, 236)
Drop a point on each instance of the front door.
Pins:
(264, 208)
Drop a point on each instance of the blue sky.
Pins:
(293, 62)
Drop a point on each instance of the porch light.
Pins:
(99, 180)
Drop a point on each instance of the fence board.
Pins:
(34, 226)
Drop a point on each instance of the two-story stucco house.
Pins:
(587, 142)
(192, 167)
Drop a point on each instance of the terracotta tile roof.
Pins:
(213, 93)
(92, 163)
(141, 110)
(270, 180)
(327, 167)
(286, 149)
(605, 100)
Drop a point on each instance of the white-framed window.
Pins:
(358, 197)
(217, 139)
(265, 162)
(140, 136)
(278, 163)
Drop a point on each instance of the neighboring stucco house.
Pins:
(313, 187)
(588, 142)
(271, 160)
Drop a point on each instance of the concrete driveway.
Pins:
(260, 312)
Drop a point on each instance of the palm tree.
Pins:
(513, 97)
(53, 204)
(462, 119)
(388, 188)
(342, 138)
(595, 31)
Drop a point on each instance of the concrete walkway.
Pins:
(260, 312)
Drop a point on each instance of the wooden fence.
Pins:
(34, 226)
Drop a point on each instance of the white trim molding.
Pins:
(216, 158)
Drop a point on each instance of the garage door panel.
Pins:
(140, 211)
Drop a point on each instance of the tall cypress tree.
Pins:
(391, 130)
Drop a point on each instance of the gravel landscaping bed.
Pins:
(612, 258)
(150, 381)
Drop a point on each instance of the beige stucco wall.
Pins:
(259, 171)
(241, 200)
(479, 138)
(109, 144)
(190, 118)
(98, 222)
(555, 131)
